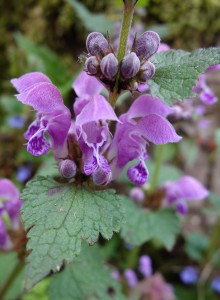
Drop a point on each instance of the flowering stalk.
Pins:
(158, 161)
(125, 29)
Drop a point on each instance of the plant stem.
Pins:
(17, 269)
(159, 156)
(125, 28)
(132, 258)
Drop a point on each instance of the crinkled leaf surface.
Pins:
(141, 226)
(177, 72)
(85, 278)
(59, 217)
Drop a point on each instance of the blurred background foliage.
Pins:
(49, 36)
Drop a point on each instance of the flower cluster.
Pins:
(179, 192)
(135, 67)
(85, 145)
(9, 207)
(152, 286)
(203, 90)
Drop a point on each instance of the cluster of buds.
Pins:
(134, 69)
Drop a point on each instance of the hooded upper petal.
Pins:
(27, 81)
(146, 104)
(191, 189)
(96, 109)
(87, 85)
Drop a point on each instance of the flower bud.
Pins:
(97, 44)
(130, 65)
(109, 66)
(137, 194)
(92, 65)
(147, 44)
(67, 168)
(101, 177)
(147, 71)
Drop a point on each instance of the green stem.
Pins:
(158, 161)
(17, 269)
(132, 258)
(125, 28)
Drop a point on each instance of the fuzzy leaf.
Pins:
(141, 226)
(59, 217)
(177, 72)
(86, 278)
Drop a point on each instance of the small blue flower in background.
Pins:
(16, 121)
(23, 173)
(215, 284)
(189, 275)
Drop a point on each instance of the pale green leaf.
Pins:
(85, 278)
(59, 217)
(92, 21)
(141, 226)
(177, 72)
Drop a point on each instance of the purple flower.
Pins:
(131, 277)
(11, 201)
(215, 284)
(206, 95)
(53, 116)
(5, 241)
(144, 121)
(145, 266)
(16, 122)
(92, 112)
(137, 194)
(23, 173)
(179, 192)
(189, 275)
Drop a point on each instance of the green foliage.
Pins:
(92, 21)
(177, 72)
(86, 278)
(141, 226)
(196, 245)
(43, 59)
(59, 217)
(39, 292)
(8, 262)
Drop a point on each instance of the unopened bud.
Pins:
(147, 71)
(137, 194)
(147, 44)
(101, 177)
(92, 65)
(97, 44)
(130, 65)
(67, 168)
(109, 66)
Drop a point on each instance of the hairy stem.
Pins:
(158, 161)
(17, 269)
(125, 28)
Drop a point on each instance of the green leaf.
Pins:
(8, 262)
(177, 72)
(86, 278)
(40, 291)
(44, 60)
(59, 217)
(92, 21)
(141, 226)
(196, 244)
